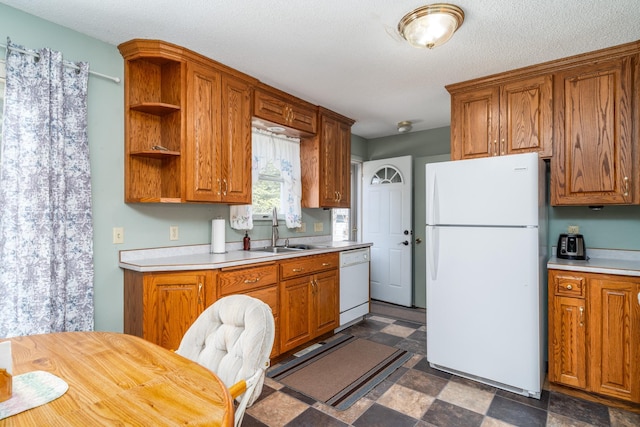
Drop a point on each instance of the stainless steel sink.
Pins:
(277, 249)
(306, 247)
(290, 248)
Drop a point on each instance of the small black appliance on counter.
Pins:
(571, 246)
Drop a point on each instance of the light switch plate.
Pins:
(318, 226)
(573, 229)
(118, 235)
(173, 232)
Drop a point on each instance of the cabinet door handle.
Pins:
(581, 316)
(626, 186)
(219, 187)
(502, 147)
(495, 147)
(326, 264)
(225, 187)
(569, 287)
(199, 293)
(297, 270)
(248, 281)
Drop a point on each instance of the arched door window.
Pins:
(386, 175)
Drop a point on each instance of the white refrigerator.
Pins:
(486, 259)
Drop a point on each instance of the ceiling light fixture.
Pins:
(404, 127)
(432, 25)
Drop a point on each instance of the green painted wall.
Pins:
(144, 225)
(358, 147)
(417, 144)
(614, 227)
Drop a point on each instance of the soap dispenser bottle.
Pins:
(246, 242)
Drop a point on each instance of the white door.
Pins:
(386, 222)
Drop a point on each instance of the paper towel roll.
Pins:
(217, 236)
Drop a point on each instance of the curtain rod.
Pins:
(66, 63)
(274, 135)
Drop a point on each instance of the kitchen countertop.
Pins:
(607, 261)
(198, 257)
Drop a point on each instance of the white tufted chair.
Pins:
(233, 338)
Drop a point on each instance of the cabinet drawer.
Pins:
(246, 279)
(569, 286)
(308, 265)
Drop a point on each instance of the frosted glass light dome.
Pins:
(432, 25)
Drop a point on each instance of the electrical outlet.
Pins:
(118, 235)
(302, 228)
(573, 229)
(318, 226)
(173, 232)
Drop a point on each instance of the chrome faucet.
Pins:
(274, 228)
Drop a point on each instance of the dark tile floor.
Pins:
(416, 395)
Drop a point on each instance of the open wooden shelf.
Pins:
(155, 154)
(156, 108)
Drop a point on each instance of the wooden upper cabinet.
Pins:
(236, 141)
(187, 126)
(475, 123)
(154, 115)
(218, 139)
(593, 163)
(526, 116)
(203, 133)
(510, 118)
(275, 107)
(582, 112)
(326, 163)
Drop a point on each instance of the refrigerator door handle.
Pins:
(432, 251)
(433, 202)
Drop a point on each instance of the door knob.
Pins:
(418, 241)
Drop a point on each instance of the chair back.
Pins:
(233, 338)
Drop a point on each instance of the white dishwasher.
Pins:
(354, 286)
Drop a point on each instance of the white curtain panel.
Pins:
(46, 231)
(286, 156)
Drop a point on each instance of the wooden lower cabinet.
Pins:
(594, 333)
(258, 281)
(614, 337)
(160, 307)
(567, 330)
(303, 294)
(309, 305)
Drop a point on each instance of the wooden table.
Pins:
(118, 379)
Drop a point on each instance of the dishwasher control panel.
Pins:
(354, 256)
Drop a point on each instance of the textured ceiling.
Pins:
(346, 54)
